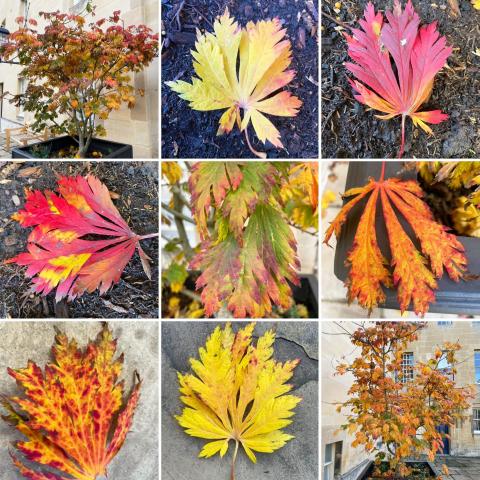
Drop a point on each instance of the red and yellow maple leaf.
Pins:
(264, 55)
(414, 274)
(59, 256)
(418, 53)
(69, 410)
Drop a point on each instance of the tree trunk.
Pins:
(81, 145)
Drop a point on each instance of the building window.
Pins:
(444, 365)
(78, 6)
(444, 323)
(476, 420)
(328, 462)
(477, 366)
(407, 367)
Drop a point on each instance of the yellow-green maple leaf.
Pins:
(238, 393)
(264, 57)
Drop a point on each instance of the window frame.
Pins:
(476, 353)
(476, 419)
(407, 368)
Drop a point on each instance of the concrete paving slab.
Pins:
(298, 460)
(20, 341)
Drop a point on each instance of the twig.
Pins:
(190, 294)
(178, 191)
(182, 233)
(333, 19)
(177, 214)
(177, 15)
(191, 6)
(302, 230)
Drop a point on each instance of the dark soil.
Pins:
(134, 296)
(187, 133)
(349, 130)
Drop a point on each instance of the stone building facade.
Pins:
(340, 460)
(139, 126)
(465, 437)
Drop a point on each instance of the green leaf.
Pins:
(176, 274)
(252, 276)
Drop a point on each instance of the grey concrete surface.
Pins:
(297, 460)
(20, 341)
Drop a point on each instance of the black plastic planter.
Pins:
(451, 297)
(427, 467)
(107, 148)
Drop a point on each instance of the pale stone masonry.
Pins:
(464, 439)
(339, 459)
(138, 127)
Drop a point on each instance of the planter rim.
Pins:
(121, 150)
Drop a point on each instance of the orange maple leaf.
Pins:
(68, 414)
(414, 274)
(59, 256)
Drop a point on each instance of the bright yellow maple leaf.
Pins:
(238, 394)
(172, 172)
(476, 4)
(264, 57)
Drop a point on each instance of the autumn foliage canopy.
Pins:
(59, 256)
(397, 404)
(418, 53)
(254, 88)
(78, 73)
(73, 414)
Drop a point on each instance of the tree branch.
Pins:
(177, 214)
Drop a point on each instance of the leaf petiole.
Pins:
(150, 235)
(232, 471)
(255, 152)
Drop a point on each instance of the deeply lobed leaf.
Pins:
(414, 274)
(68, 412)
(250, 258)
(418, 53)
(58, 255)
(264, 55)
(253, 275)
(238, 392)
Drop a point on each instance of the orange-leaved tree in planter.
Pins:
(79, 72)
(394, 409)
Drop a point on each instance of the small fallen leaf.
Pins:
(418, 53)
(113, 307)
(454, 7)
(30, 172)
(243, 71)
